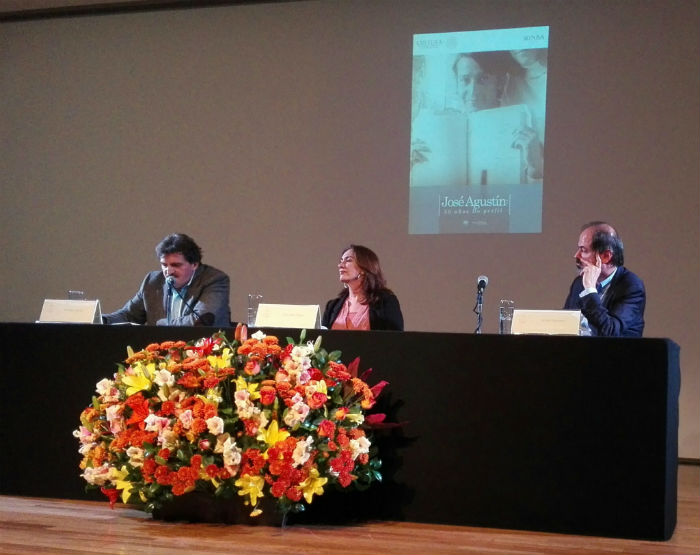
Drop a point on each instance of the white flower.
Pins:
(135, 455)
(84, 435)
(107, 391)
(302, 451)
(98, 476)
(103, 386)
(297, 413)
(215, 425)
(186, 418)
(164, 377)
(167, 439)
(359, 446)
(230, 451)
(156, 423)
(244, 406)
(259, 335)
(116, 422)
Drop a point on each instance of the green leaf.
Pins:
(153, 489)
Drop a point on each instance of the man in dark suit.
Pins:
(184, 293)
(609, 296)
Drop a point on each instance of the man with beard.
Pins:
(610, 297)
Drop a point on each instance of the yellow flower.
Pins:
(117, 476)
(272, 434)
(312, 485)
(251, 486)
(140, 380)
(252, 388)
(223, 361)
(321, 386)
(355, 418)
(136, 383)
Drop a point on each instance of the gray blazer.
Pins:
(207, 301)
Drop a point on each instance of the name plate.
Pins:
(288, 316)
(71, 312)
(546, 322)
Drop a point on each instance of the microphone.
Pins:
(481, 283)
(206, 319)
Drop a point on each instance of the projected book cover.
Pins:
(477, 131)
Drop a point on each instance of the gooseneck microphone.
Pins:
(481, 283)
(206, 319)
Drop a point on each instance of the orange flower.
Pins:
(199, 426)
(252, 368)
(268, 394)
(317, 400)
(189, 381)
(326, 429)
(341, 413)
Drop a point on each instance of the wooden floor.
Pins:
(55, 526)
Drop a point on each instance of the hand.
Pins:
(525, 138)
(591, 272)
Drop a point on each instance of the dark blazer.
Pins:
(385, 314)
(619, 313)
(208, 295)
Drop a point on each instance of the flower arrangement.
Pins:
(237, 419)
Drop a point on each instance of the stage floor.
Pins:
(40, 526)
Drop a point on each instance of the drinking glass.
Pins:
(254, 300)
(505, 316)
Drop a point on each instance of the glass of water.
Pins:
(505, 316)
(254, 300)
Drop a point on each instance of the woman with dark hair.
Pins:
(365, 302)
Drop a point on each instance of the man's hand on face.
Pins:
(591, 272)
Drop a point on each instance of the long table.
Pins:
(562, 434)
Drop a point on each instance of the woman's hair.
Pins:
(374, 281)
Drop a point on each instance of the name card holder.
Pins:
(288, 316)
(70, 312)
(546, 322)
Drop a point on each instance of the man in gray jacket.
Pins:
(184, 293)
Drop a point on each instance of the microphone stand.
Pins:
(169, 302)
(478, 309)
(200, 318)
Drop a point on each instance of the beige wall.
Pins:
(277, 133)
